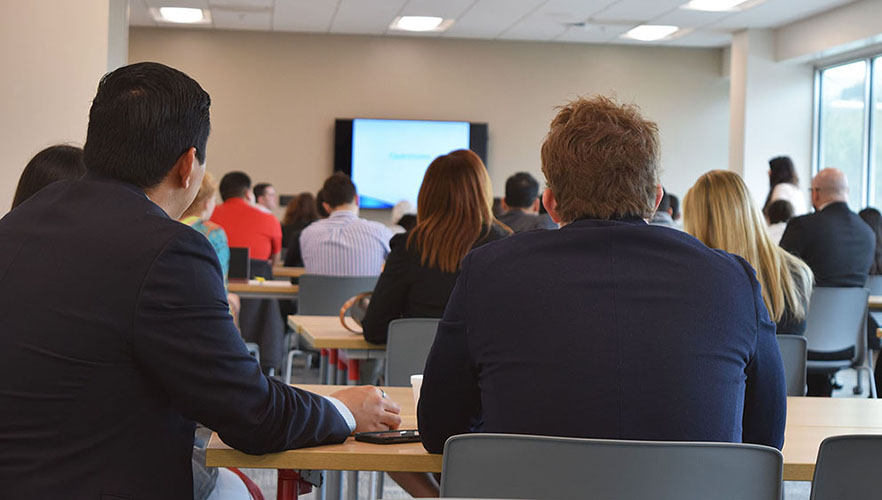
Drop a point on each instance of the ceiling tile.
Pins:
(241, 19)
(490, 18)
(139, 14)
(534, 31)
(594, 33)
(447, 9)
(194, 4)
(689, 18)
(702, 38)
(242, 4)
(571, 11)
(365, 17)
(636, 10)
(304, 15)
(774, 13)
(552, 19)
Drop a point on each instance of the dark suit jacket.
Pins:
(115, 336)
(835, 242)
(407, 289)
(605, 329)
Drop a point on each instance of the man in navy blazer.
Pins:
(115, 332)
(608, 327)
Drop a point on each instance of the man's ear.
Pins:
(550, 203)
(659, 194)
(535, 207)
(326, 207)
(184, 168)
(504, 205)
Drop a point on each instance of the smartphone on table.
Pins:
(389, 437)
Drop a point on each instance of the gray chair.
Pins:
(847, 467)
(321, 295)
(519, 466)
(837, 323)
(407, 348)
(794, 349)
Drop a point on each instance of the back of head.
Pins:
(521, 190)
(207, 190)
(338, 190)
(781, 170)
(260, 189)
(675, 206)
(779, 211)
(601, 160)
(235, 185)
(454, 209)
(720, 212)
(143, 118)
(54, 163)
(874, 219)
(302, 208)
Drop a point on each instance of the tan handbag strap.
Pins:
(345, 309)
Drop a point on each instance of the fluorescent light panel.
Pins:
(420, 23)
(651, 32)
(180, 15)
(717, 5)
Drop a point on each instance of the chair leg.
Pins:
(871, 377)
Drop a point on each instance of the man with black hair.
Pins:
(265, 197)
(248, 225)
(675, 207)
(521, 205)
(104, 372)
(343, 244)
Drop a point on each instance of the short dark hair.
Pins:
(338, 190)
(521, 190)
(234, 185)
(779, 211)
(260, 189)
(143, 118)
(54, 163)
(320, 204)
(675, 206)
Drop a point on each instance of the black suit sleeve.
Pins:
(292, 256)
(793, 239)
(390, 295)
(185, 339)
(765, 398)
(450, 400)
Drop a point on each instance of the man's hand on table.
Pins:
(372, 411)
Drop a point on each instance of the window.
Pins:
(848, 137)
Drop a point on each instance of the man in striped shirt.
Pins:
(344, 244)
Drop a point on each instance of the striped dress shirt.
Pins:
(345, 245)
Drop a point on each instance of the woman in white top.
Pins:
(784, 185)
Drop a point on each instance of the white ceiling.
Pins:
(577, 21)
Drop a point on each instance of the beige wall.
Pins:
(275, 96)
(51, 69)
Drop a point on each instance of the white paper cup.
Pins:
(416, 381)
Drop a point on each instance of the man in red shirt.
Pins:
(245, 224)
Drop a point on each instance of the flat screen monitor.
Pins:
(388, 158)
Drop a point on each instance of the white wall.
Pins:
(275, 96)
(54, 54)
(771, 111)
(853, 27)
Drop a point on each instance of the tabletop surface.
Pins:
(809, 421)
(288, 272)
(326, 332)
(875, 301)
(257, 286)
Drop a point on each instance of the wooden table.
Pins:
(875, 302)
(256, 289)
(809, 421)
(341, 349)
(288, 272)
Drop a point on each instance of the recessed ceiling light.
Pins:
(651, 32)
(420, 23)
(718, 5)
(182, 15)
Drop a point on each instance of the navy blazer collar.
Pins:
(591, 221)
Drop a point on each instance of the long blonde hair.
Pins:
(719, 211)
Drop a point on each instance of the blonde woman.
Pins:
(719, 211)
